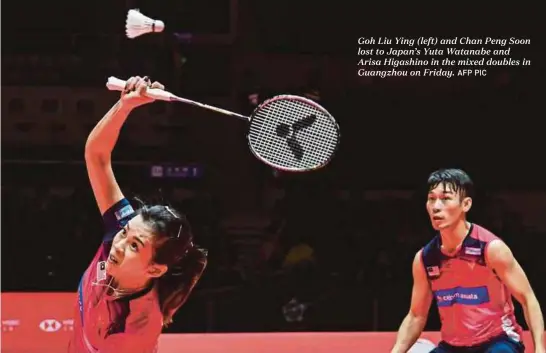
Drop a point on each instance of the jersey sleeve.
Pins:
(116, 217)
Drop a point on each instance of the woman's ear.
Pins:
(156, 270)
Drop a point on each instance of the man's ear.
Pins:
(467, 204)
(157, 270)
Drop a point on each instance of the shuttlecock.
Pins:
(138, 24)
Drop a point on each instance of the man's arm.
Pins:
(421, 297)
(502, 261)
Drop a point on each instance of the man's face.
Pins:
(446, 207)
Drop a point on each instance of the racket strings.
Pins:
(282, 154)
(283, 109)
(317, 141)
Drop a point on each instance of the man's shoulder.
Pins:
(431, 245)
(483, 234)
(430, 252)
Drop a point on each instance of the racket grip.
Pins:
(115, 84)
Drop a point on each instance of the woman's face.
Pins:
(130, 258)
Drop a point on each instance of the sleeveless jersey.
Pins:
(473, 303)
(103, 324)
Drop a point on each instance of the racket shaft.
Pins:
(115, 84)
(210, 107)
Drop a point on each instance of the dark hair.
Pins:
(459, 181)
(174, 247)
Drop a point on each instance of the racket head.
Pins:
(293, 134)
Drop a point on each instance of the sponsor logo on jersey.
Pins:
(473, 251)
(101, 271)
(462, 296)
(124, 212)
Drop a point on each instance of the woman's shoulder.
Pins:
(145, 313)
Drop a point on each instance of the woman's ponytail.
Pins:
(176, 285)
(174, 247)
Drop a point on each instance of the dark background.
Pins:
(363, 216)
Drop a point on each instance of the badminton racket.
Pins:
(287, 132)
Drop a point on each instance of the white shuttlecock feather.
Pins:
(138, 24)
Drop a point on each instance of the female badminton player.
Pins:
(147, 264)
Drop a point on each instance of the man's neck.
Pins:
(453, 236)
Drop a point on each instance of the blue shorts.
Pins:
(501, 344)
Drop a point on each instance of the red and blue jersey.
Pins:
(104, 324)
(474, 304)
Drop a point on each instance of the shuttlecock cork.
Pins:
(138, 24)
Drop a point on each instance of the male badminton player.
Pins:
(471, 274)
(147, 264)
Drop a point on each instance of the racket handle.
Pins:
(115, 84)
